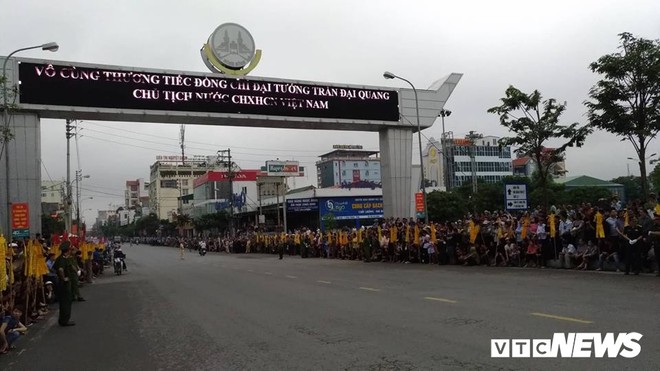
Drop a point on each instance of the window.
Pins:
(185, 191)
(343, 173)
(366, 173)
(184, 182)
(43, 195)
(355, 165)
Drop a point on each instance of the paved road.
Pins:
(254, 312)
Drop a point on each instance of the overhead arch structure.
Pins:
(72, 90)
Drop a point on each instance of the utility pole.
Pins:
(472, 137)
(78, 175)
(284, 202)
(259, 192)
(225, 158)
(67, 203)
(277, 191)
(182, 137)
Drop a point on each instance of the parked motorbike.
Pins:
(118, 266)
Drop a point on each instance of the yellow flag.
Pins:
(3, 263)
(553, 227)
(416, 240)
(393, 234)
(525, 227)
(434, 237)
(600, 231)
(474, 231)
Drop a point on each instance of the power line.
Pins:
(215, 145)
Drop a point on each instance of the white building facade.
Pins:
(171, 179)
(492, 163)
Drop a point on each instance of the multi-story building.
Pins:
(212, 192)
(526, 166)
(52, 196)
(170, 180)
(491, 162)
(104, 216)
(349, 166)
(137, 192)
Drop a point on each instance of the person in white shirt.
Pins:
(567, 254)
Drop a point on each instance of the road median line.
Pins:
(326, 282)
(292, 277)
(561, 318)
(440, 299)
(368, 288)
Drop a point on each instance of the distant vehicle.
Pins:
(117, 239)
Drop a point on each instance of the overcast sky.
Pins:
(531, 45)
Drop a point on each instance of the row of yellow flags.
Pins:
(343, 238)
(35, 263)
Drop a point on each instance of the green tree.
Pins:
(218, 220)
(148, 225)
(654, 178)
(329, 222)
(446, 206)
(50, 225)
(534, 122)
(626, 102)
(632, 187)
(590, 195)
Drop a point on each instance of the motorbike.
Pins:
(118, 266)
(202, 251)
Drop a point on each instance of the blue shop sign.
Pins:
(302, 204)
(352, 207)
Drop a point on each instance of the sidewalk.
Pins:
(48, 346)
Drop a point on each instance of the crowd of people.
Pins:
(35, 273)
(583, 237)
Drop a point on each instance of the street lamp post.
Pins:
(79, 178)
(390, 75)
(445, 173)
(51, 46)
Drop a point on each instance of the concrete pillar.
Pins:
(395, 170)
(24, 153)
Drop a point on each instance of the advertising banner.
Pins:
(352, 207)
(282, 168)
(302, 204)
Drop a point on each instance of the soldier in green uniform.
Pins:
(65, 269)
(75, 281)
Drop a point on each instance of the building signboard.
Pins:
(282, 168)
(88, 86)
(302, 204)
(352, 207)
(515, 196)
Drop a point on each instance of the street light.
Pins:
(51, 46)
(445, 113)
(390, 75)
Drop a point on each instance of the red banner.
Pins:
(419, 202)
(20, 215)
